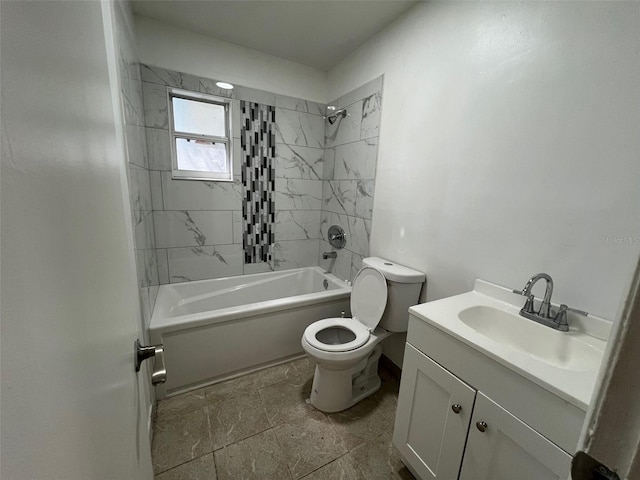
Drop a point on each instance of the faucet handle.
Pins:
(561, 318)
(528, 305)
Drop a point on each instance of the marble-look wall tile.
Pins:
(356, 160)
(295, 254)
(139, 192)
(191, 214)
(199, 195)
(237, 226)
(307, 106)
(169, 78)
(339, 266)
(298, 194)
(297, 224)
(155, 179)
(136, 148)
(208, 86)
(371, 110)
(297, 128)
(159, 148)
(263, 267)
(364, 198)
(299, 162)
(357, 230)
(144, 233)
(356, 264)
(163, 266)
(329, 164)
(359, 93)
(199, 263)
(155, 105)
(339, 196)
(348, 189)
(193, 228)
(347, 129)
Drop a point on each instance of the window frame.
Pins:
(174, 134)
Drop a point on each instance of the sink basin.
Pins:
(566, 350)
(487, 320)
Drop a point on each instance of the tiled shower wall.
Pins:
(351, 152)
(138, 165)
(198, 225)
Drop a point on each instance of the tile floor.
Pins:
(259, 426)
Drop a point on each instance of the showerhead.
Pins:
(339, 114)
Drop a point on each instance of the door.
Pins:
(505, 448)
(432, 419)
(72, 405)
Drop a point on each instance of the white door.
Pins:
(72, 404)
(432, 419)
(505, 448)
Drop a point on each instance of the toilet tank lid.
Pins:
(394, 272)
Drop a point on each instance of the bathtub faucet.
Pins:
(326, 255)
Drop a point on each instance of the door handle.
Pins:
(159, 374)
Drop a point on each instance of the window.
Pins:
(201, 146)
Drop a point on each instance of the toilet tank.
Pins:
(403, 290)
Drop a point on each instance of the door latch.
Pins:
(159, 374)
(585, 467)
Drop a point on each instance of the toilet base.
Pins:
(336, 390)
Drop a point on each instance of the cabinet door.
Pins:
(428, 432)
(509, 449)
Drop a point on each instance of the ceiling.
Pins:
(312, 32)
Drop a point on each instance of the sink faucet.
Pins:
(545, 307)
(326, 255)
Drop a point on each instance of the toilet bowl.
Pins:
(346, 350)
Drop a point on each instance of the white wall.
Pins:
(509, 145)
(184, 51)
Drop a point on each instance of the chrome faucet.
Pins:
(326, 255)
(544, 315)
(545, 307)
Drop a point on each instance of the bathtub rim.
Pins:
(161, 325)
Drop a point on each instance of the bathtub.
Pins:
(216, 329)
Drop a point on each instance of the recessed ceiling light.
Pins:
(331, 108)
(225, 85)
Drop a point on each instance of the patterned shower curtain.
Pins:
(257, 140)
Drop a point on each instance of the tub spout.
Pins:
(326, 255)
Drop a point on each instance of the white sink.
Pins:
(566, 350)
(487, 320)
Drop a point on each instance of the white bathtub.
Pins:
(216, 329)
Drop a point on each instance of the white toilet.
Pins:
(346, 350)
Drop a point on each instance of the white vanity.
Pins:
(489, 395)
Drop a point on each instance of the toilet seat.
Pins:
(368, 301)
(359, 330)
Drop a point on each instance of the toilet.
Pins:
(346, 350)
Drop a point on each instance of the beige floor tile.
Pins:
(236, 387)
(378, 461)
(259, 457)
(360, 423)
(309, 444)
(237, 418)
(305, 367)
(344, 468)
(202, 468)
(180, 438)
(386, 399)
(287, 401)
(181, 404)
(272, 375)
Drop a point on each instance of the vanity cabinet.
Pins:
(445, 429)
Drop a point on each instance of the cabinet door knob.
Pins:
(482, 426)
(456, 407)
